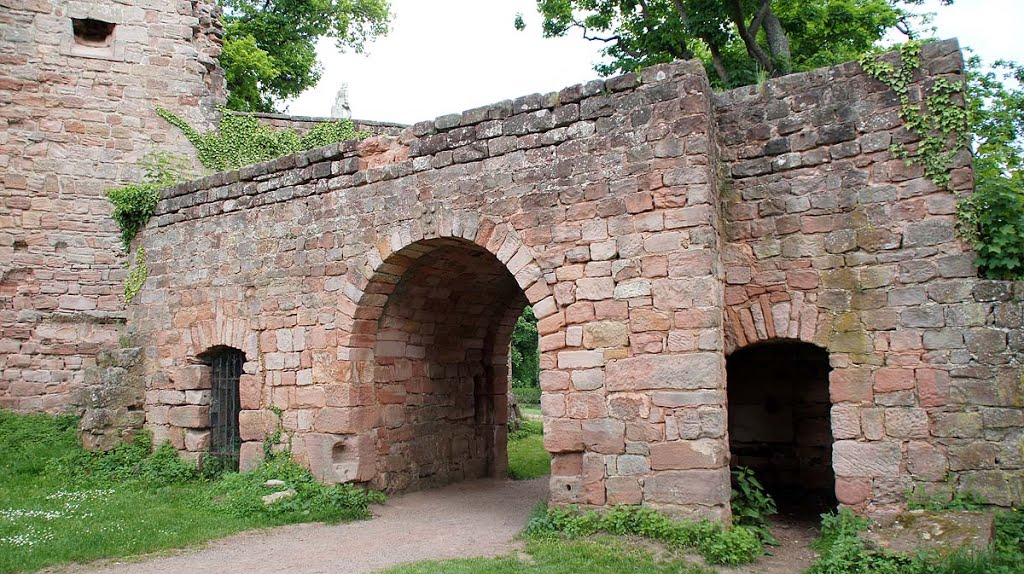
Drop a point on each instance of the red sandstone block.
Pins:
(570, 464)
(802, 279)
(580, 312)
(605, 436)
(699, 486)
(850, 385)
(685, 371)
(189, 416)
(888, 379)
(554, 380)
(197, 440)
(685, 455)
(852, 491)
(932, 387)
(563, 435)
(256, 425)
(250, 456)
(344, 420)
(611, 310)
(585, 405)
(623, 490)
(649, 320)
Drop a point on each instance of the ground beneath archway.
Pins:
(473, 518)
(478, 518)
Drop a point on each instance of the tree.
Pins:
(992, 218)
(738, 40)
(270, 45)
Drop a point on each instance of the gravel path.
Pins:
(476, 518)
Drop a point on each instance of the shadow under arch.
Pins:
(428, 357)
(779, 421)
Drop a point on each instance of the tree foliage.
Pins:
(270, 45)
(992, 218)
(525, 352)
(738, 40)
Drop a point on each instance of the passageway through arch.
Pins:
(441, 364)
(779, 422)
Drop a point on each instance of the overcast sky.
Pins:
(445, 56)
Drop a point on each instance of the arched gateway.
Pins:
(655, 227)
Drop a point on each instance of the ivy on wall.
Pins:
(136, 276)
(992, 218)
(242, 140)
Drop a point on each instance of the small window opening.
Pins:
(225, 403)
(92, 33)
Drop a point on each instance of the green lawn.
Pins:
(600, 556)
(526, 455)
(59, 504)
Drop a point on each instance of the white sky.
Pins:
(445, 56)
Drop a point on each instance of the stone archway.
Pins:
(427, 355)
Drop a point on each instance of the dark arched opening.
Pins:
(441, 354)
(225, 404)
(779, 423)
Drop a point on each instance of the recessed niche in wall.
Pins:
(92, 37)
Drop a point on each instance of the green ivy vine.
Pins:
(940, 124)
(240, 140)
(137, 276)
(134, 204)
(243, 140)
(991, 219)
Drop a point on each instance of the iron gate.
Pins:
(226, 370)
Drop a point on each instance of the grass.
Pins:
(842, 551)
(60, 504)
(530, 411)
(605, 555)
(526, 455)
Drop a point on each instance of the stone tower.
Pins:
(79, 85)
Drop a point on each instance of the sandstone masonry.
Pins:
(74, 120)
(655, 227)
(76, 115)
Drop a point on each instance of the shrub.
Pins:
(751, 505)
(527, 395)
(718, 545)
(242, 494)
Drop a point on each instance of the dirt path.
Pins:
(477, 518)
(792, 556)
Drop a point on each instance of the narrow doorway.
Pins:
(779, 423)
(225, 372)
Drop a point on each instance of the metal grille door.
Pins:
(226, 367)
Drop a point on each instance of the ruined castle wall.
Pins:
(832, 241)
(599, 203)
(655, 228)
(74, 120)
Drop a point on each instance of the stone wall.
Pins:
(833, 241)
(655, 228)
(596, 205)
(74, 120)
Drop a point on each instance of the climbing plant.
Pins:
(992, 218)
(134, 204)
(243, 140)
(938, 122)
(136, 276)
